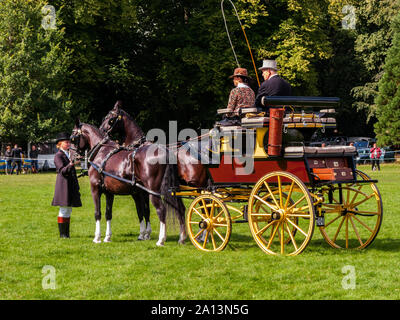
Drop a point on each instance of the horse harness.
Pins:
(134, 147)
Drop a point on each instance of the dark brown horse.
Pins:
(190, 170)
(116, 171)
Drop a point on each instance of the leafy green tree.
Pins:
(373, 37)
(388, 101)
(33, 68)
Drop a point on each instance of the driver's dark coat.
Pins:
(66, 192)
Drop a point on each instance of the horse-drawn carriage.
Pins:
(258, 170)
(289, 188)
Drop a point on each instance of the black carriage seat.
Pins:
(301, 151)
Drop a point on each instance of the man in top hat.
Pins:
(66, 194)
(242, 96)
(273, 85)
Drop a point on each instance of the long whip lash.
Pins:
(245, 36)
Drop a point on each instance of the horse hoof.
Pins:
(160, 244)
(181, 241)
(97, 240)
(141, 237)
(146, 237)
(107, 239)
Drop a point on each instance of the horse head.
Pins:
(113, 121)
(84, 136)
(119, 121)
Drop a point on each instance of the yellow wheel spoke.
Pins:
(219, 214)
(270, 192)
(356, 193)
(219, 235)
(262, 230)
(272, 236)
(219, 225)
(212, 209)
(289, 194)
(297, 202)
(280, 191)
(363, 224)
(201, 216)
(338, 229)
(261, 214)
(267, 204)
(205, 207)
(327, 224)
(301, 209)
(205, 239)
(296, 226)
(213, 240)
(362, 201)
(198, 233)
(356, 231)
(291, 237)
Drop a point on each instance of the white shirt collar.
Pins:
(274, 75)
(242, 85)
(66, 152)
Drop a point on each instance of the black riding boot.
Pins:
(63, 227)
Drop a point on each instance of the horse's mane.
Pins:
(131, 119)
(98, 132)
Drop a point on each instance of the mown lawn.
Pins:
(130, 269)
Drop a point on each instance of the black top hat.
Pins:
(62, 136)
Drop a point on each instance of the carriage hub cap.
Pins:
(279, 214)
(203, 224)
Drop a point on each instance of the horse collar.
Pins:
(93, 151)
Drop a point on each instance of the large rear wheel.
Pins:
(281, 214)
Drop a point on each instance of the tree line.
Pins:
(170, 60)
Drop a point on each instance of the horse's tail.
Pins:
(171, 181)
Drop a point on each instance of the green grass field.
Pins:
(130, 269)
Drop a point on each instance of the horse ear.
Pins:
(77, 122)
(118, 104)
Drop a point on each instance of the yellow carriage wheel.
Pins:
(208, 223)
(353, 222)
(267, 197)
(279, 204)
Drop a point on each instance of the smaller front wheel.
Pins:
(208, 223)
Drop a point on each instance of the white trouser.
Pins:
(65, 212)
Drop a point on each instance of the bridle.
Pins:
(76, 139)
(112, 122)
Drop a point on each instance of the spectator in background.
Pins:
(351, 144)
(8, 156)
(33, 154)
(16, 155)
(375, 154)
